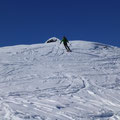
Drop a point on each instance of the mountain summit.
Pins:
(44, 82)
(53, 39)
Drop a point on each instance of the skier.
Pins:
(65, 41)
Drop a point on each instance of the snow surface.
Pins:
(44, 82)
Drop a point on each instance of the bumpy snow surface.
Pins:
(44, 82)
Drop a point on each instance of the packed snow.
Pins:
(44, 82)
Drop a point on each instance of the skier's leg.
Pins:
(68, 48)
(65, 45)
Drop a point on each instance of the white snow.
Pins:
(44, 82)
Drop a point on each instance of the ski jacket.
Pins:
(64, 40)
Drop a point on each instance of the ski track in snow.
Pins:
(44, 82)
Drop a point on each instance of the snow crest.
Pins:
(53, 39)
(44, 82)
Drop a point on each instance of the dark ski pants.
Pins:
(67, 47)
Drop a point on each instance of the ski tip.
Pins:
(69, 51)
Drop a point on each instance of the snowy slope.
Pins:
(44, 82)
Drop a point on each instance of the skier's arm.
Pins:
(61, 41)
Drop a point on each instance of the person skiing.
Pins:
(65, 41)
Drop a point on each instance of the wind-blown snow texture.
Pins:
(44, 82)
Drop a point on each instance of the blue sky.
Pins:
(34, 21)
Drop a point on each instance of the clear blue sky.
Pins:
(34, 21)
